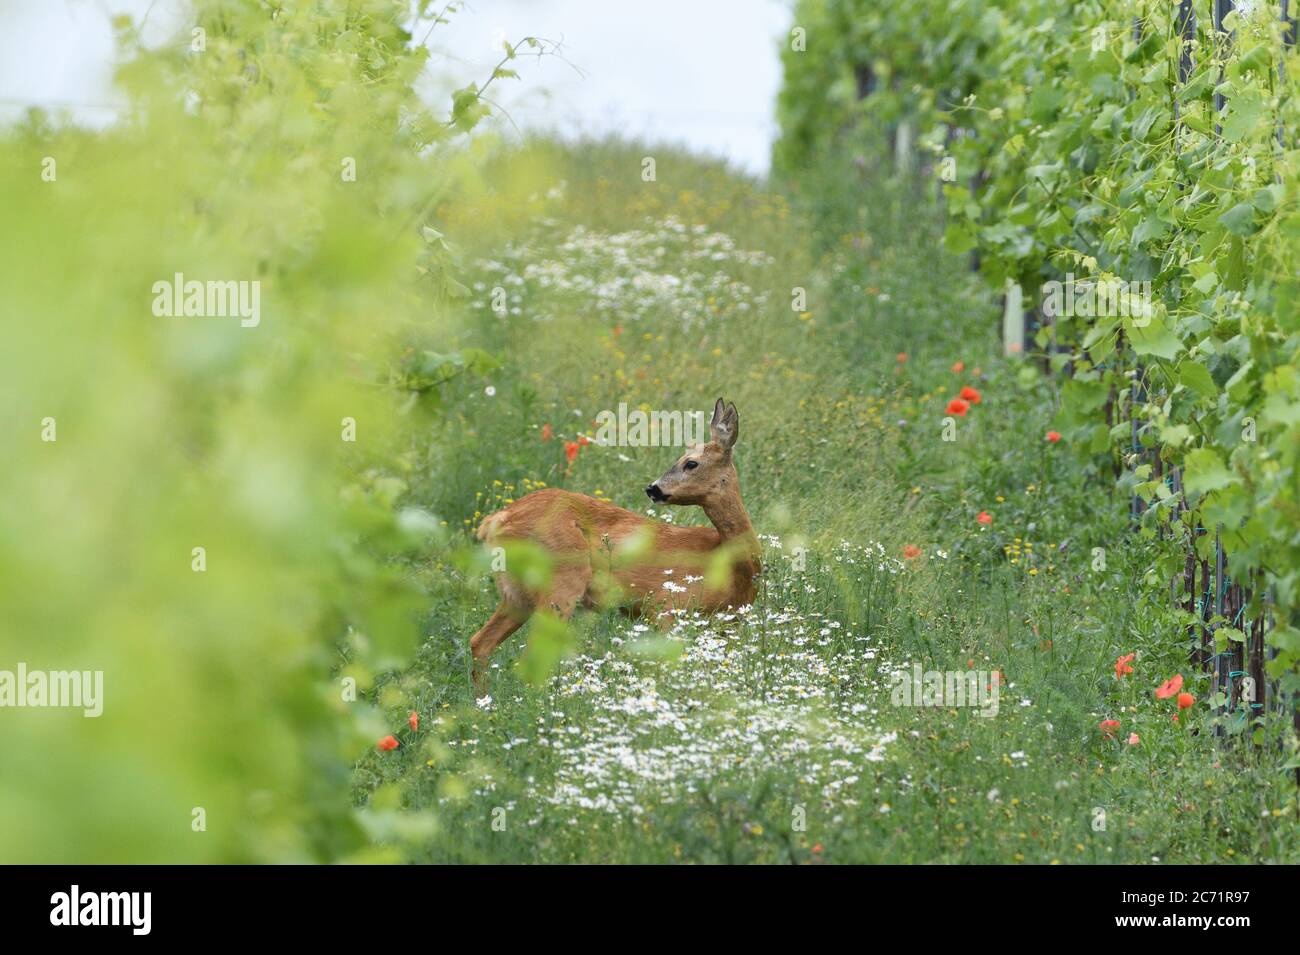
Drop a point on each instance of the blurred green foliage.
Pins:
(224, 688)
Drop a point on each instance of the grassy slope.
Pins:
(782, 717)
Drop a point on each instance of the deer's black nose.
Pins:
(653, 492)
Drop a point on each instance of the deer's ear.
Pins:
(725, 426)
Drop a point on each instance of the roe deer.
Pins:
(605, 556)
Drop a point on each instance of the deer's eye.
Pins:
(691, 465)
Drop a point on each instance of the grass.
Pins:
(769, 735)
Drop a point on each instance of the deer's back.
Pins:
(551, 517)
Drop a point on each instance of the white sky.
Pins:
(702, 73)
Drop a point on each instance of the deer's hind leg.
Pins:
(569, 583)
(506, 620)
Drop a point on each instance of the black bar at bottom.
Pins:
(340, 905)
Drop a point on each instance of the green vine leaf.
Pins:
(1204, 471)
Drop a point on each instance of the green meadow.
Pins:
(777, 733)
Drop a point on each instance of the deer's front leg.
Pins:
(568, 587)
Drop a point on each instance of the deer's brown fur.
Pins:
(603, 555)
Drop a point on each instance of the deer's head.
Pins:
(705, 471)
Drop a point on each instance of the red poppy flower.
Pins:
(1133, 739)
(1053, 436)
(958, 407)
(1170, 687)
(970, 394)
(547, 433)
(958, 365)
(901, 357)
(1108, 728)
(984, 517)
(1122, 667)
(571, 450)
(1185, 700)
(911, 551)
(414, 720)
(387, 743)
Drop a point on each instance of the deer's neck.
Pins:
(728, 515)
(737, 535)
